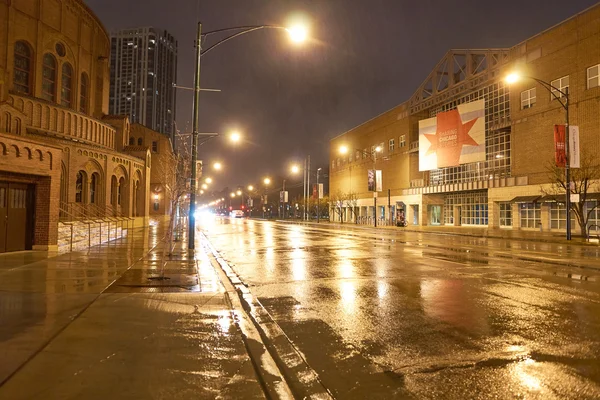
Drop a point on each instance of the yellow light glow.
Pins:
(378, 149)
(202, 192)
(512, 78)
(218, 166)
(204, 186)
(250, 187)
(295, 169)
(208, 180)
(343, 149)
(235, 136)
(267, 181)
(232, 194)
(298, 33)
(155, 197)
(239, 192)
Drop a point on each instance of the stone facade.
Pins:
(55, 134)
(519, 139)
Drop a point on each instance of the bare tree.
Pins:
(173, 172)
(352, 204)
(584, 180)
(336, 203)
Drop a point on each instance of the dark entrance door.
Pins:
(16, 216)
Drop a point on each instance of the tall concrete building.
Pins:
(143, 72)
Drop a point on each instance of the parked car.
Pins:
(236, 214)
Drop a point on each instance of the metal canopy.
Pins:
(525, 199)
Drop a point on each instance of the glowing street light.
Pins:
(343, 149)
(250, 188)
(204, 186)
(208, 180)
(295, 169)
(218, 166)
(298, 33)
(267, 181)
(235, 137)
(239, 192)
(558, 94)
(232, 195)
(512, 78)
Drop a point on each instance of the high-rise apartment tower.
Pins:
(143, 73)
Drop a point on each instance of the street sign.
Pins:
(320, 190)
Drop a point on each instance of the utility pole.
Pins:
(192, 208)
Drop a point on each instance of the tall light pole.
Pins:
(297, 34)
(318, 194)
(192, 208)
(514, 77)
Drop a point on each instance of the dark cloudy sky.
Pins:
(366, 56)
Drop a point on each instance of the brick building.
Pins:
(60, 151)
(510, 186)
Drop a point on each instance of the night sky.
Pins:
(364, 58)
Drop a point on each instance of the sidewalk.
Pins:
(91, 325)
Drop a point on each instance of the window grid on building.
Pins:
(505, 214)
(357, 155)
(22, 70)
(593, 76)
(558, 216)
(49, 78)
(592, 208)
(562, 84)
(473, 208)
(530, 215)
(528, 98)
(391, 145)
(66, 85)
(402, 141)
(498, 157)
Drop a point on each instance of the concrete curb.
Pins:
(303, 381)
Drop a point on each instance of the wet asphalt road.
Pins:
(392, 314)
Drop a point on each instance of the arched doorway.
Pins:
(81, 187)
(94, 188)
(123, 197)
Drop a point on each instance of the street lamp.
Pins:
(318, 195)
(296, 33)
(208, 180)
(515, 77)
(218, 166)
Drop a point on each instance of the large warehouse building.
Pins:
(470, 149)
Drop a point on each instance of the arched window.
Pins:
(93, 188)
(66, 85)
(80, 185)
(84, 93)
(131, 141)
(120, 191)
(49, 77)
(139, 141)
(22, 72)
(114, 185)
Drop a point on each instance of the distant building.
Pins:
(143, 72)
(469, 149)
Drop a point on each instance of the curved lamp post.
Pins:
(297, 34)
(513, 78)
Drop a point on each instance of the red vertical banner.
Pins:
(314, 192)
(560, 154)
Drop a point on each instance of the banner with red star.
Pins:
(453, 137)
